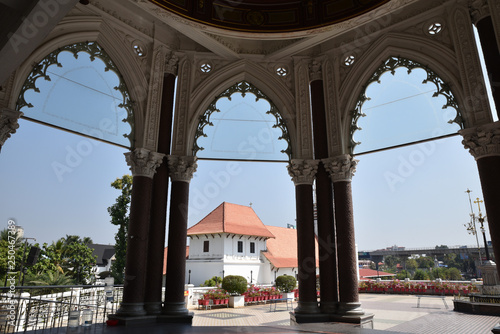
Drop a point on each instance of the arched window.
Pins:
(78, 88)
(243, 124)
(403, 102)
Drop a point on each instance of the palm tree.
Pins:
(50, 278)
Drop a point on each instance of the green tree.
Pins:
(403, 274)
(119, 213)
(391, 261)
(68, 256)
(425, 262)
(411, 264)
(453, 274)
(420, 275)
(49, 278)
(11, 253)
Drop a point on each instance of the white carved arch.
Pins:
(422, 50)
(92, 30)
(243, 70)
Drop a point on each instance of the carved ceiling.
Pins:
(265, 16)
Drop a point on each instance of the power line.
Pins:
(80, 84)
(401, 99)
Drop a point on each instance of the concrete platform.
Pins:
(392, 314)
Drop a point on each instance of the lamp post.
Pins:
(471, 226)
(481, 221)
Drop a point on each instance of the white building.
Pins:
(232, 240)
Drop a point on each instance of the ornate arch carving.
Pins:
(390, 65)
(242, 87)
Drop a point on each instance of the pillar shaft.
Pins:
(143, 164)
(303, 172)
(491, 54)
(488, 168)
(153, 296)
(483, 143)
(181, 171)
(346, 246)
(177, 238)
(341, 170)
(324, 205)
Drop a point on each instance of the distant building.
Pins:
(105, 256)
(232, 240)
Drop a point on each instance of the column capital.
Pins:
(171, 62)
(182, 168)
(341, 168)
(8, 123)
(143, 162)
(315, 70)
(478, 9)
(303, 171)
(482, 141)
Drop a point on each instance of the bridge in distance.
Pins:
(470, 251)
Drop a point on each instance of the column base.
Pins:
(176, 319)
(132, 321)
(360, 321)
(328, 307)
(307, 308)
(350, 308)
(153, 308)
(131, 310)
(174, 308)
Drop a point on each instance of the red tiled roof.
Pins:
(231, 218)
(282, 251)
(365, 273)
(165, 253)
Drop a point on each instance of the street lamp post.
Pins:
(481, 221)
(471, 226)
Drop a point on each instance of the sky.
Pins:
(54, 183)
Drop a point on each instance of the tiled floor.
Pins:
(393, 314)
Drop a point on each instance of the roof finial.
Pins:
(250, 204)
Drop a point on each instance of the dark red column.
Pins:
(491, 54)
(143, 164)
(153, 296)
(483, 143)
(324, 205)
(181, 172)
(302, 172)
(341, 169)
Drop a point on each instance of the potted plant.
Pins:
(235, 285)
(286, 284)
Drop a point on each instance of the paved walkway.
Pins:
(393, 313)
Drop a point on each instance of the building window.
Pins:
(252, 247)
(205, 246)
(240, 246)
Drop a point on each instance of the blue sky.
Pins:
(56, 183)
(398, 199)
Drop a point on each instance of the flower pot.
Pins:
(236, 301)
(216, 301)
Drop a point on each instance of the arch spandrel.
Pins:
(200, 99)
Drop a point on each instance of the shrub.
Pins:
(286, 283)
(234, 284)
(420, 275)
(214, 281)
